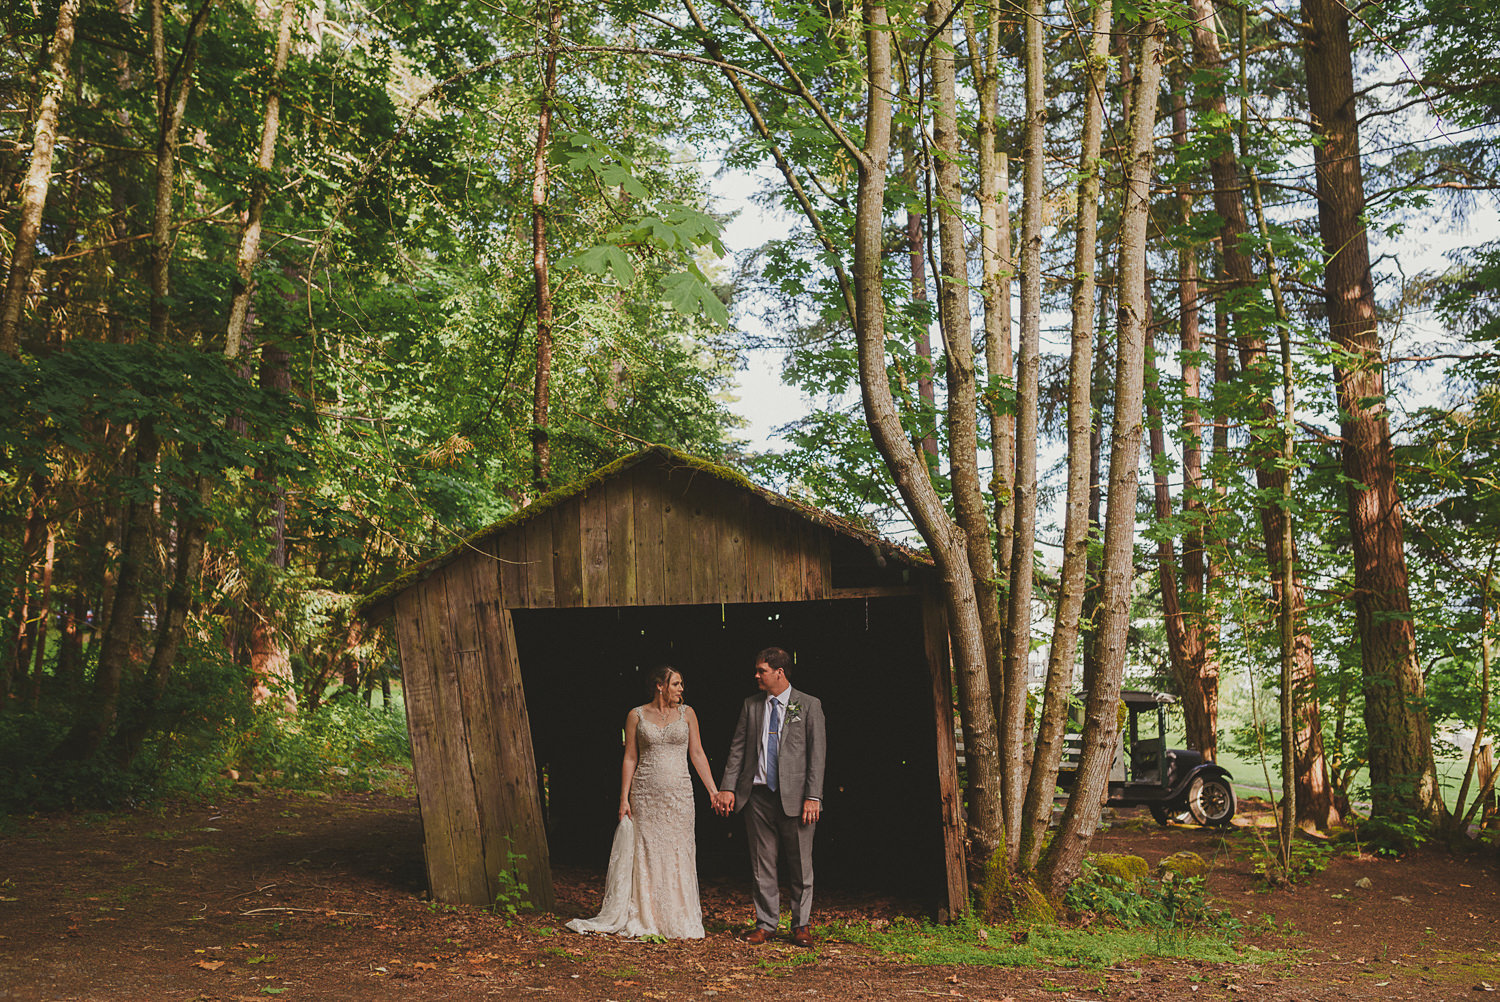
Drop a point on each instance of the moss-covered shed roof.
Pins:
(380, 603)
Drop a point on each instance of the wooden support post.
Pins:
(939, 669)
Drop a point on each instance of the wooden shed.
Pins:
(523, 647)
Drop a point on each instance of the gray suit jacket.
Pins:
(799, 757)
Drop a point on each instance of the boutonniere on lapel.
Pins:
(793, 711)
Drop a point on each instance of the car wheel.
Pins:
(1210, 800)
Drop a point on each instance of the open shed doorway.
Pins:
(583, 669)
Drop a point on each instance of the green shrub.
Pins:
(204, 726)
(1174, 908)
(343, 744)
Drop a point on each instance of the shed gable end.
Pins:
(661, 536)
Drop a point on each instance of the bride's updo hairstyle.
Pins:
(658, 677)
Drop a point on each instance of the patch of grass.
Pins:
(968, 941)
(1464, 972)
(789, 960)
(627, 971)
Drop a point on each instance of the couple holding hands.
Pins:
(773, 776)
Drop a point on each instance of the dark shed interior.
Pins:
(583, 669)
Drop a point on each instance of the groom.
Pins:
(775, 775)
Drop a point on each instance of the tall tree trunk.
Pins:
(1181, 640)
(1041, 786)
(926, 389)
(174, 82)
(916, 256)
(1028, 365)
(96, 715)
(1269, 477)
(270, 662)
(1097, 399)
(996, 268)
(40, 623)
(248, 255)
(1219, 460)
(907, 468)
(15, 645)
(1196, 668)
(963, 400)
(541, 446)
(1403, 778)
(1061, 862)
(38, 178)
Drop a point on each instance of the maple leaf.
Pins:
(210, 965)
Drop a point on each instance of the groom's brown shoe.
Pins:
(802, 935)
(757, 936)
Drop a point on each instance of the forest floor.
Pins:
(296, 897)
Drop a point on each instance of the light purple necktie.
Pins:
(772, 740)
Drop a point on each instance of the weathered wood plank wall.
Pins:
(935, 645)
(470, 736)
(646, 540)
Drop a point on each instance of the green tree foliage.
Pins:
(380, 408)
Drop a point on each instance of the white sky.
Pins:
(764, 400)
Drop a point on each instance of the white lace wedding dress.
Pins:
(652, 885)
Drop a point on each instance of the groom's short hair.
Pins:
(775, 658)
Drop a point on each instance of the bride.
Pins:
(652, 886)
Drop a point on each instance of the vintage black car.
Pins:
(1176, 784)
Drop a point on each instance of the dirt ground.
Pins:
(292, 897)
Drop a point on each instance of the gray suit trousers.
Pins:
(769, 829)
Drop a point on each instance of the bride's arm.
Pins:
(627, 768)
(696, 755)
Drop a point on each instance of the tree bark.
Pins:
(1403, 778)
(1041, 787)
(1196, 670)
(174, 83)
(963, 400)
(996, 268)
(270, 662)
(541, 447)
(1317, 806)
(1061, 862)
(908, 469)
(38, 179)
(1028, 365)
(40, 623)
(916, 256)
(250, 223)
(97, 713)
